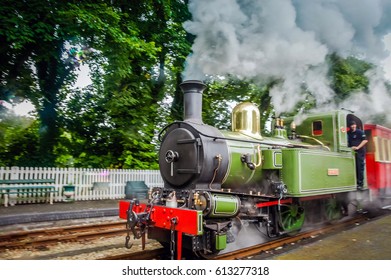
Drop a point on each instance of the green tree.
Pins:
(136, 97)
(114, 122)
(18, 140)
(348, 75)
(36, 64)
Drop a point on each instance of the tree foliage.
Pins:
(18, 141)
(348, 75)
(135, 51)
(127, 58)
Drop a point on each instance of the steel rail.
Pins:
(46, 236)
(258, 249)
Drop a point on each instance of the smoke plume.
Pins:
(287, 40)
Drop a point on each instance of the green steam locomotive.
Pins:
(216, 182)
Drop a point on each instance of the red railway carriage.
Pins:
(378, 158)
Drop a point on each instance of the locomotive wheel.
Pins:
(333, 209)
(291, 218)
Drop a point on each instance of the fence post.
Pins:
(14, 173)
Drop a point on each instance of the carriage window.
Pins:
(377, 143)
(389, 150)
(317, 128)
(371, 142)
(386, 150)
(380, 149)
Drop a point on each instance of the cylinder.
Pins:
(219, 205)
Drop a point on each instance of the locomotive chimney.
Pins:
(192, 90)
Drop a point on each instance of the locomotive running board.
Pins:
(290, 200)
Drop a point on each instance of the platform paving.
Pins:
(40, 212)
(370, 241)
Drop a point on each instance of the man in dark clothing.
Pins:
(357, 141)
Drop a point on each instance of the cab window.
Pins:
(317, 128)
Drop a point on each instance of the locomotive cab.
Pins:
(327, 129)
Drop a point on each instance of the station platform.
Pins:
(43, 212)
(369, 241)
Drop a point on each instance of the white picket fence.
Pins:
(84, 178)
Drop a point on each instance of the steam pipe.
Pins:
(192, 90)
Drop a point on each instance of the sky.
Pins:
(25, 108)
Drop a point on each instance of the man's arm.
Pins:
(362, 144)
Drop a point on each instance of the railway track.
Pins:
(247, 252)
(79, 233)
(281, 242)
(48, 236)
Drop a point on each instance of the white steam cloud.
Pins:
(287, 40)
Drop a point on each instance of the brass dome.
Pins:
(246, 119)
